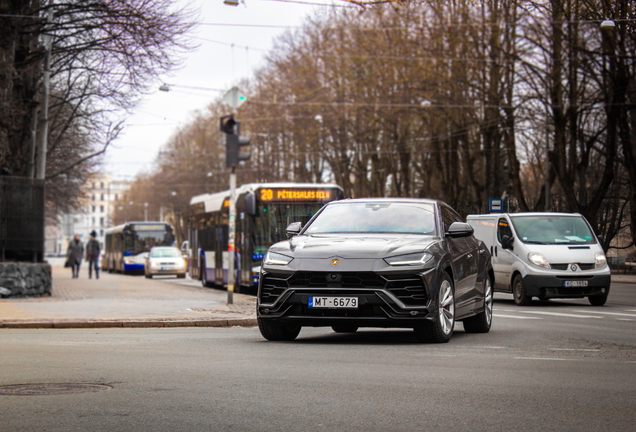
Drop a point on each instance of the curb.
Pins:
(233, 322)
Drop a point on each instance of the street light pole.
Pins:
(42, 147)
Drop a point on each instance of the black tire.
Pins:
(440, 330)
(149, 276)
(273, 331)
(344, 328)
(519, 292)
(482, 322)
(598, 300)
(181, 276)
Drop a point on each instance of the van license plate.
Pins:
(333, 302)
(575, 283)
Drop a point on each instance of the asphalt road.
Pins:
(560, 366)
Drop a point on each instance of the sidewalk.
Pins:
(127, 301)
(134, 301)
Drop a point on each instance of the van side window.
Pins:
(503, 229)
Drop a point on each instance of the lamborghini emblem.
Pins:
(335, 262)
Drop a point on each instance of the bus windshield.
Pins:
(273, 218)
(138, 240)
(553, 229)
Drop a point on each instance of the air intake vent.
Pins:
(408, 288)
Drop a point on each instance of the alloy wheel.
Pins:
(446, 307)
(488, 300)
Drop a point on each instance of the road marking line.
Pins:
(562, 314)
(514, 316)
(544, 358)
(575, 349)
(605, 313)
(485, 347)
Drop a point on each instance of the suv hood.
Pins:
(353, 245)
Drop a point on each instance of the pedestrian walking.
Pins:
(92, 255)
(74, 255)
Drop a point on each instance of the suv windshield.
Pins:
(377, 217)
(553, 229)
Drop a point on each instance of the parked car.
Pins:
(165, 260)
(391, 262)
(544, 255)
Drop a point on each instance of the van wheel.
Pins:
(598, 300)
(481, 323)
(519, 292)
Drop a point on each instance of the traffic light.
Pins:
(234, 141)
(234, 153)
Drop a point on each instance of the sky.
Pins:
(212, 65)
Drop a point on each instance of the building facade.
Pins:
(102, 195)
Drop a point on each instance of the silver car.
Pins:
(165, 260)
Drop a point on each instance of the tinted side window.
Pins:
(503, 229)
(449, 216)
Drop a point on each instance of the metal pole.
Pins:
(41, 167)
(34, 144)
(547, 159)
(231, 243)
(230, 237)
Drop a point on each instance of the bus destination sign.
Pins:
(296, 195)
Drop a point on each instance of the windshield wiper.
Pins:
(535, 242)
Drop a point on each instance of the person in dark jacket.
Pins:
(74, 255)
(92, 255)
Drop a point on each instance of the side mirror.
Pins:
(293, 229)
(459, 229)
(507, 241)
(250, 203)
(601, 240)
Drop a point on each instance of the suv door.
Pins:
(464, 256)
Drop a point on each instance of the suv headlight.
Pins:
(538, 259)
(600, 260)
(273, 258)
(409, 259)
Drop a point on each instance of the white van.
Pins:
(544, 255)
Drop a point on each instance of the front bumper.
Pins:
(170, 271)
(404, 301)
(544, 286)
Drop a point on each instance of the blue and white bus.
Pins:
(263, 211)
(127, 245)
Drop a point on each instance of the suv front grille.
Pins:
(408, 288)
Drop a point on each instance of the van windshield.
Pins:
(553, 229)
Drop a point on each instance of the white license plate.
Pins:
(333, 302)
(575, 283)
